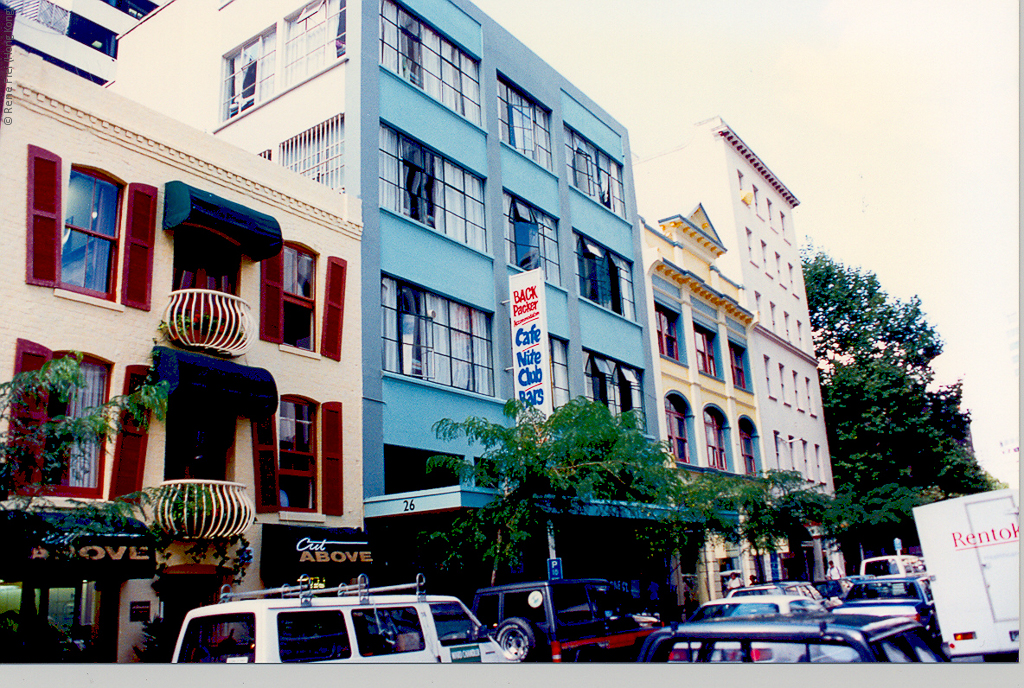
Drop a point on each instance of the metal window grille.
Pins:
(318, 153)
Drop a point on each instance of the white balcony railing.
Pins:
(203, 509)
(209, 320)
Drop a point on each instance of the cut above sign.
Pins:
(334, 555)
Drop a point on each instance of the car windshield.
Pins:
(888, 590)
(715, 611)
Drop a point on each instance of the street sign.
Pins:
(898, 544)
(555, 569)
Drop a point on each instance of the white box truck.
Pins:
(971, 548)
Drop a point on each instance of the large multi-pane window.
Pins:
(314, 38)
(605, 277)
(81, 466)
(676, 412)
(418, 183)
(559, 350)
(593, 172)
(420, 55)
(714, 432)
(430, 337)
(250, 74)
(297, 453)
(318, 153)
(299, 298)
(532, 238)
(611, 383)
(737, 354)
(525, 125)
(668, 343)
(89, 243)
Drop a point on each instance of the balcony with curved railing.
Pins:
(209, 320)
(203, 509)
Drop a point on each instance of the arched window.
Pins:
(714, 430)
(676, 413)
(747, 446)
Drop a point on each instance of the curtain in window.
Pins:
(389, 323)
(441, 371)
(84, 457)
(414, 332)
(559, 371)
(462, 346)
(526, 239)
(420, 171)
(483, 381)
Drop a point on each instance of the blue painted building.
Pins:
(472, 159)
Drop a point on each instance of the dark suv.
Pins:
(561, 621)
(819, 637)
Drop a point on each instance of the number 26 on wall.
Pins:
(408, 505)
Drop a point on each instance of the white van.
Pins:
(347, 624)
(892, 565)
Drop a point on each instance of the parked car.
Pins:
(909, 597)
(348, 624)
(760, 605)
(892, 565)
(560, 621)
(818, 637)
(779, 588)
(833, 591)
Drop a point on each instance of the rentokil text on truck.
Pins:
(972, 548)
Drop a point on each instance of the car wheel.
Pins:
(516, 638)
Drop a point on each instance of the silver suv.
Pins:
(347, 624)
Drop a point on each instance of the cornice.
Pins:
(726, 132)
(697, 286)
(128, 137)
(768, 334)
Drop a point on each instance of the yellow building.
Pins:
(710, 412)
(139, 242)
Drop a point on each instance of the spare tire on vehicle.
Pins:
(517, 639)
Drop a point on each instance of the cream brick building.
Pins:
(114, 216)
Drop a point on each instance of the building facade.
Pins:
(154, 249)
(753, 214)
(77, 35)
(473, 161)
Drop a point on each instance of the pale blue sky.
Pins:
(894, 122)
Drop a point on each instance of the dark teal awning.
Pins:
(257, 234)
(248, 391)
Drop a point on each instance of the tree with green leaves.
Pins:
(583, 459)
(895, 439)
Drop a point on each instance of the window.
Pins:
(525, 125)
(667, 341)
(810, 404)
(705, 347)
(782, 384)
(768, 375)
(739, 176)
(594, 173)
(387, 631)
(312, 636)
(789, 275)
(250, 74)
(817, 464)
(768, 205)
(299, 297)
(454, 625)
(318, 153)
(778, 450)
(782, 224)
(421, 56)
(785, 321)
(314, 38)
(81, 470)
(714, 431)
(677, 413)
(559, 350)
(764, 255)
(771, 308)
(614, 384)
(221, 638)
(93, 35)
(750, 246)
(205, 260)
(90, 238)
(297, 454)
(429, 337)
(778, 266)
(422, 185)
(796, 391)
(757, 200)
(747, 446)
(737, 355)
(605, 278)
(532, 238)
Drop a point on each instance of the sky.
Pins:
(895, 122)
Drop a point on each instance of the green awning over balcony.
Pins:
(248, 391)
(258, 235)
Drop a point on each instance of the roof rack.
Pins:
(305, 592)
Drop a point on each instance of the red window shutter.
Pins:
(264, 458)
(130, 450)
(334, 308)
(137, 280)
(271, 299)
(44, 218)
(28, 413)
(333, 495)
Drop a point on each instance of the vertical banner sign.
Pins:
(530, 370)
